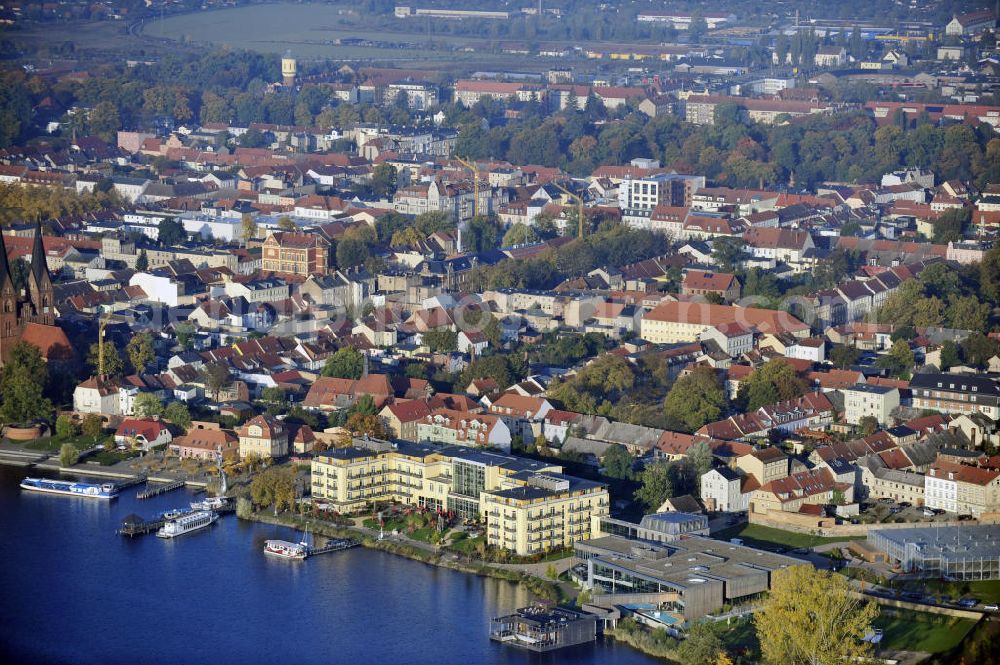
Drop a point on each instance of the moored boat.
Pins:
(187, 523)
(286, 550)
(211, 503)
(69, 488)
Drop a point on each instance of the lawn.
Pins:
(919, 631)
(768, 538)
(53, 443)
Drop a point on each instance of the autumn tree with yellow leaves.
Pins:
(811, 617)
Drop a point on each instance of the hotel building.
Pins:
(526, 506)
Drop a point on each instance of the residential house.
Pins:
(142, 433)
(864, 400)
(264, 437)
(702, 283)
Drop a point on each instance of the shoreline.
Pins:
(541, 588)
(9, 458)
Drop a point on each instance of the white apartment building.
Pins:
(866, 400)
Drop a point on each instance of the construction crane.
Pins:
(579, 207)
(101, 324)
(472, 166)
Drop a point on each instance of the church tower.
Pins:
(40, 292)
(9, 329)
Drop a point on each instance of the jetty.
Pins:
(133, 525)
(131, 482)
(160, 489)
(334, 545)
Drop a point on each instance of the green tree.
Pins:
(140, 352)
(844, 356)
(248, 228)
(147, 405)
(351, 252)
(657, 485)
(951, 225)
(346, 363)
(185, 333)
(92, 426)
(275, 485)
(700, 456)
(989, 275)
(868, 425)
(170, 232)
(968, 313)
(177, 413)
(65, 427)
(384, 179)
(68, 455)
(618, 462)
(22, 383)
(696, 399)
(899, 361)
(727, 252)
(215, 376)
(275, 399)
(977, 350)
(481, 234)
(950, 355)
(775, 381)
(105, 121)
(441, 340)
(113, 363)
(286, 223)
(702, 646)
(519, 234)
(142, 262)
(812, 616)
(365, 406)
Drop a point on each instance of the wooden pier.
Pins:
(334, 546)
(131, 482)
(160, 489)
(133, 525)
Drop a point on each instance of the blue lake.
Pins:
(74, 592)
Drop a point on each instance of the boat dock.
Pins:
(160, 489)
(334, 545)
(131, 482)
(133, 525)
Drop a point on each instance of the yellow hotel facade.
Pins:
(526, 506)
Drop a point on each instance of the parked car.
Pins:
(968, 602)
(928, 512)
(992, 607)
(964, 518)
(905, 504)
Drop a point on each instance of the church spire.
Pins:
(4, 266)
(38, 266)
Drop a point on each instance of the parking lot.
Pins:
(883, 511)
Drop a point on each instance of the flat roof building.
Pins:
(688, 578)
(957, 552)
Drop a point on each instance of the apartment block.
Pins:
(864, 400)
(527, 506)
(956, 393)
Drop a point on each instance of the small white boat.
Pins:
(187, 523)
(211, 503)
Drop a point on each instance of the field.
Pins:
(919, 631)
(312, 32)
(768, 538)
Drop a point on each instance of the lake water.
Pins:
(74, 592)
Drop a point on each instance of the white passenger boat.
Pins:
(187, 523)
